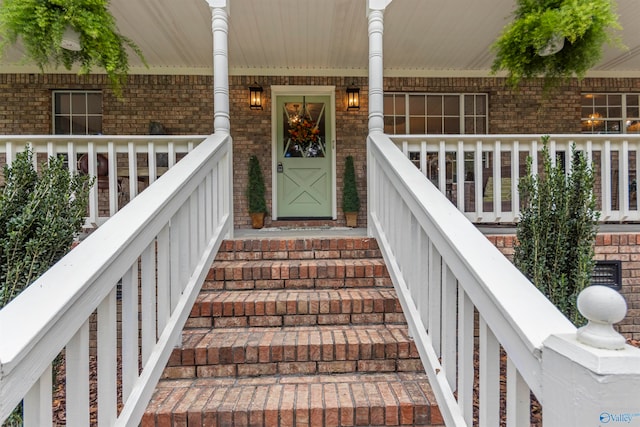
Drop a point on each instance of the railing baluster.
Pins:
(449, 310)
(518, 398)
(460, 176)
(113, 177)
(465, 355)
(623, 178)
(151, 161)
(165, 267)
(107, 346)
(515, 179)
(133, 170)
(130, 329)
(489, 384)
(194, 236)
(479, 179)
(77, 381)
(148, 303)
(497, 180)
(37, 403)
(435, 296)
(93, 192)
(605, 178)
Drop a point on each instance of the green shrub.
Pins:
(350, 198)
(557, 230)
(39, 217)
(256, 189)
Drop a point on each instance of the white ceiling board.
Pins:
(329, 37)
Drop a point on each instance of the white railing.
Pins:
(158, 250)
(486, 190)
(446, 273)
(140, 160)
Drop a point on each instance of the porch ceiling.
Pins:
(329, 37)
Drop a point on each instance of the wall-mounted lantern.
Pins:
(255, 96)
(353, 97)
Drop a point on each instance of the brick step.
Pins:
(297, 274)
(299, 248)
(224, 308)
(295, 350)
(379, 399)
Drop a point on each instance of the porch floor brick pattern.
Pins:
(295, 332)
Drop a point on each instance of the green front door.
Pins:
(304, 157)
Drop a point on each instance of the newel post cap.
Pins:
(602, 307)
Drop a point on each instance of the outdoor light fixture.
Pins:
(255, 96)
(70, 40)
(353, 97)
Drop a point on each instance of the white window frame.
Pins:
(623, 122)
(86, 114)
(462, 116)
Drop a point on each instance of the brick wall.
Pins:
(184, 105)
(623, 247)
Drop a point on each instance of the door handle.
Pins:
(280, 167)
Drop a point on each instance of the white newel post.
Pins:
(221, 116)
(592, 378)
(220, 27)
(375, 17)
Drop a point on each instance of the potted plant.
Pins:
(350, 199)
(554, 39)
(256, 194)
(46, 28)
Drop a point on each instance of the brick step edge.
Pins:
(374, 346)
(300, 248)
(308, 283)
(298, 269)
(295, 307)
(361, 399)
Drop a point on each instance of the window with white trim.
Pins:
(422, 113)
(610, 113)
(77, 112)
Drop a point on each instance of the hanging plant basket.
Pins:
(555, 39)
(68, 32)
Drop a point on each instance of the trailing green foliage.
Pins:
(557, 229)
(256, 189)
(39, 218)
(350, 198)
(584, 24)
(40, 24)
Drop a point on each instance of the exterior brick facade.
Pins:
(184, 105)
(623, 247)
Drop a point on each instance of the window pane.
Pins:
(434, 125)
(451, 125)
(401, 125)
(399, 103)
(416, 125)
(481, 102)
(632, 100)
(614, 99)
(62, 126)
(599, 100)
(451, 106)
(480, 125)
(78, 103)
(416, 105)
(94, 103)
(613, 126)
(62, 103)
(388, 125)
(78, 125)
(469, 105)
(95, 125)
(469, 125)
(587, 112)
(615, 112)
(388, 104)
(434, 105)
(633, 112)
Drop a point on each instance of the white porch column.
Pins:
(220, 27)
(375, 15)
